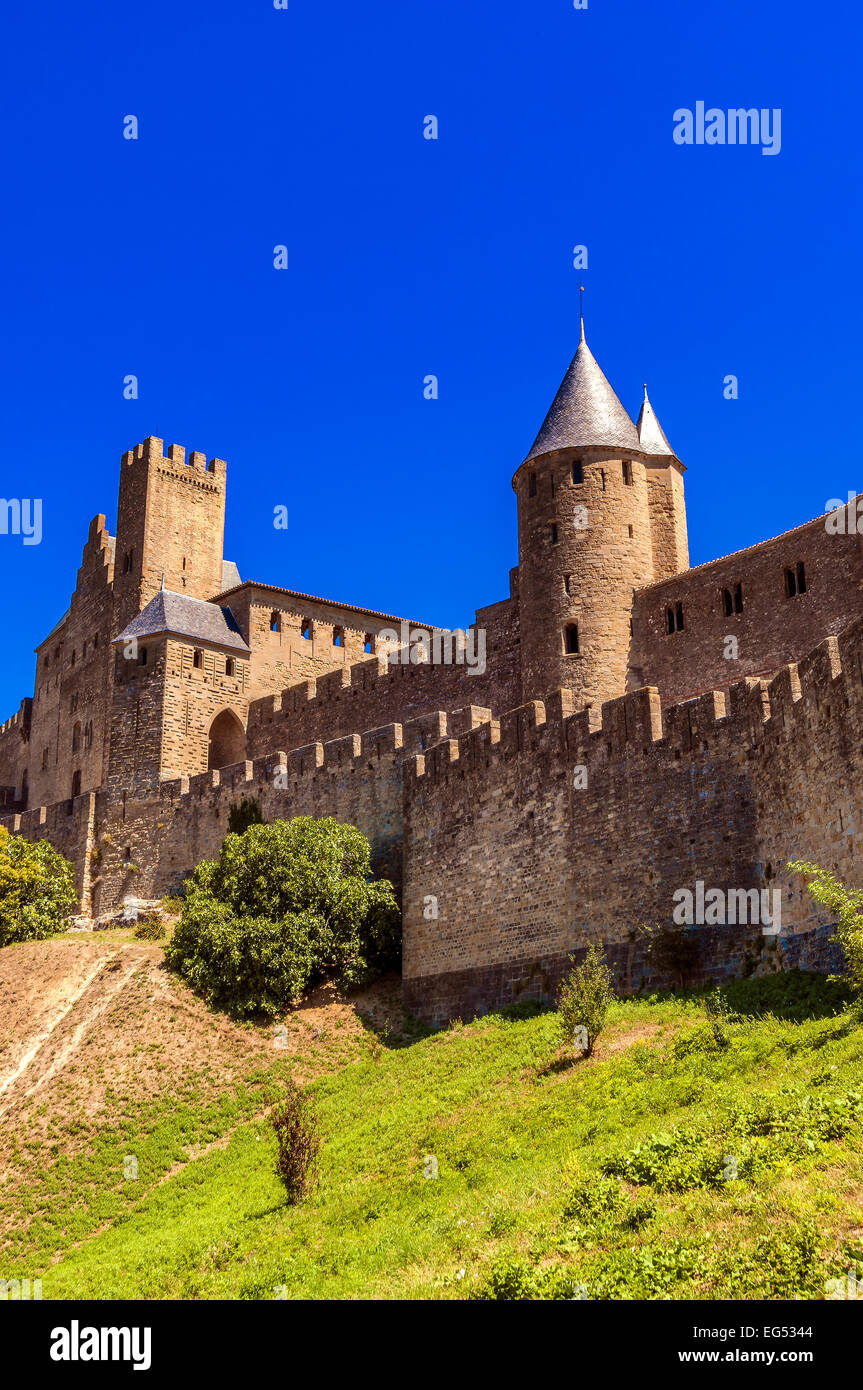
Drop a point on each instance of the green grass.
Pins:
(612, 1179)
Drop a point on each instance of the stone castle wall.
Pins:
(527, 866)
(773, 628)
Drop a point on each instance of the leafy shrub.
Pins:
(37, 889)
(600, 1204)
(299, 1143)
(150, 928)
(758, 1136)
(512, 1278)
(846, 906)
(284, 906)
(244, 814)
(584, 998)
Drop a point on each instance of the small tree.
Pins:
(37, 889)
(583, 1001)
(296, 1128)
(846, 906)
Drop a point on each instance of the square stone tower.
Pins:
(170, 525)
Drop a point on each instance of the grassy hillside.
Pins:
(611, 1178)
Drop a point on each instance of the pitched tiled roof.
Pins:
(182, 616)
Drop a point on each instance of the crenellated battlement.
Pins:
(152, 451)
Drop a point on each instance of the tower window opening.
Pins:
(678, 617)
(627, 473)
(552, 484)
(738, 598)
(631, 531)
(570, 639)
(801, 578)
(790, 583)
(275, 621)
(728, 602)
(198, 659)
(674, 618)
(229, 665)
(567, 583)
(577, 473)
(76, 783)
(306, 630)
(602, 476)
(142, 656)
(338, 637)
(554, 533)
(368, 644)
(184, 562)
(76, 737)
(531, 484)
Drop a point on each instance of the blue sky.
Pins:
(410, 257)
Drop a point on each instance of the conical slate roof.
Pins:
(182, 616)
(650, 432)
(585, 411)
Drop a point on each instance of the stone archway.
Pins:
(227, 742)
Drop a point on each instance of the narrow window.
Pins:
(368, 644)
(728, 602)
(577, 473)
(631, 532)
(74, 657)
(678, 617)
(801, 578)
(552, 484)
(338, 637)
(142, 656)
(76, 738)
(602, 476)
(306, 630)
(198, 659)
(275, 622)
(669, 619)
(229, 665)
(627, 473)
(570, 639)
(554, 533)
(738, 598)
(531, 484)
(76, 783)
(44, 758)
(184, 562)
(95, 641)
(567, 583)
(790, 583)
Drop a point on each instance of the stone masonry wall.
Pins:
(527, 865)
(772, 630)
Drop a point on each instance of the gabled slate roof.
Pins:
(585, 411)
(178, 615)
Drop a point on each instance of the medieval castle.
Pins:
(637, 727)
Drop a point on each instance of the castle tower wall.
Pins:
(667, 517)
(584, 546)
(171, 523)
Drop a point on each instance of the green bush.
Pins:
(37, 889)
(584, 998)
(846, 906)
(284, 906)
(299, 1143)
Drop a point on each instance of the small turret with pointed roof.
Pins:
(651, 435)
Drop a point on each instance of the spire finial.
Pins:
(644, 384)
(162, 586)
(581, 310)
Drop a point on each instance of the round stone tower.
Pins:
(584, 540)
